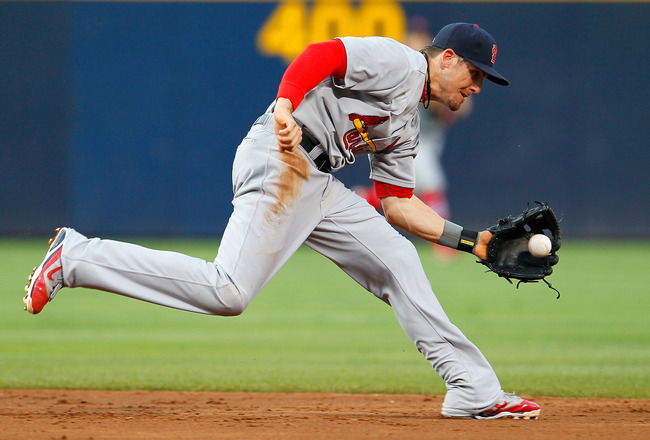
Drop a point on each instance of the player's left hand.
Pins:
(287, 131)
(507, 250)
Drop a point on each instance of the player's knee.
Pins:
(229, 301)
(234, 305)
(234, 309)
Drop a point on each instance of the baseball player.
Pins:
(338, 100)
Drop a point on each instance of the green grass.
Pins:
(314, 329)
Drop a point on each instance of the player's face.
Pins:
(459, 81)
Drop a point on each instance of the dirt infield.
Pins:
(76, 414)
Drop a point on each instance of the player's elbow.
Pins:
(392, 211)
(392, 217)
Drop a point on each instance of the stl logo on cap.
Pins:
(494, 53)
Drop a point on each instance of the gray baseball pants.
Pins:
(280, 202)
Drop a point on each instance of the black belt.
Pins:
(321, 161)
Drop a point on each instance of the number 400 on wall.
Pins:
(296, 23)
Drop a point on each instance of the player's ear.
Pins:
(447, 58)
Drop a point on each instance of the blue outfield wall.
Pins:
(123, 118)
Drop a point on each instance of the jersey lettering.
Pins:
(353, 141)
(357, 139)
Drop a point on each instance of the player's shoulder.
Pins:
(374, 48)
(372, 41)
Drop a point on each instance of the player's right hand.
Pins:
(287, 131)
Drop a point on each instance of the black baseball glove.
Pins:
(507, 252)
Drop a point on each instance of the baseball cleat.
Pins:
(511, 406)
(46, 280)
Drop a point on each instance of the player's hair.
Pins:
(432, 51)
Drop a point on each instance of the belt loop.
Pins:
(262, 119)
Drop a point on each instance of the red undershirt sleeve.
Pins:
(386, 190)
(313, 65)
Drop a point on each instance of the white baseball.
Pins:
(539, 245)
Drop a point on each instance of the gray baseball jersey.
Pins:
(282, 201)
(373, 110)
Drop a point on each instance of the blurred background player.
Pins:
(435, 121)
